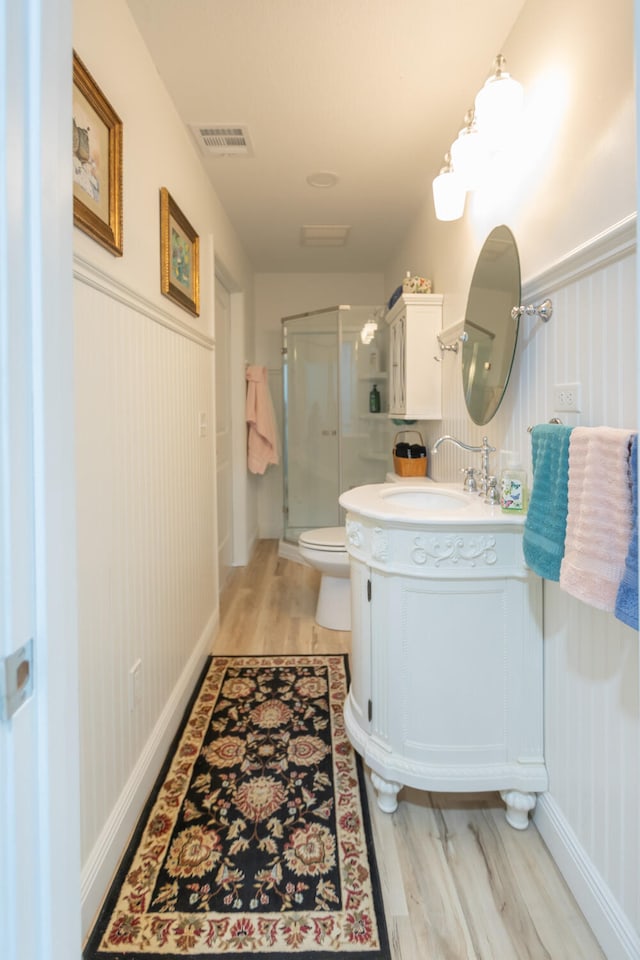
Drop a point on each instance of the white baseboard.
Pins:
(603, 913)
(104, 858)
(290, 551)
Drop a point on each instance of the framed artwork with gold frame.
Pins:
(179, 256)
(97, 162)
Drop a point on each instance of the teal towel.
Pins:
(546, 522)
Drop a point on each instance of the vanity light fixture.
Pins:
(368, 331)
(370, 328)
(448, 193)
(469, 153)
(498, 105)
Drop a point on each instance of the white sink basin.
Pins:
(432, 500)
(428, 505)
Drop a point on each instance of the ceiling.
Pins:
(373, 91)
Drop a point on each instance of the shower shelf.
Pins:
(374, 376)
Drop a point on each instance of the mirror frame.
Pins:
(490, 334)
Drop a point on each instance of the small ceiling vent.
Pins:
(230, 140)
(324, 235)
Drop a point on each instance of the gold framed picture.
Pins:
(179, 256)
(97, 162)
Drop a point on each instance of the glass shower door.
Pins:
(312, 434)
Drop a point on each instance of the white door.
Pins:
(224, 463)
(39, 806)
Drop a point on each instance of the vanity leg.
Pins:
(387, 792)
(518, 806)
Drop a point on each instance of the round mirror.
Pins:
(490, 333)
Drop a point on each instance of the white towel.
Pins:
(262, 441)
(598, 515)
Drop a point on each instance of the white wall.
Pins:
(279, 295)
(571, 171)
(147, 579)
(568, 197)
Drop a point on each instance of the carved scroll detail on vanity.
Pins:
(379, 545)
(452, 550)
(354, 533)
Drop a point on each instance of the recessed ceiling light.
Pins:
(322, 179)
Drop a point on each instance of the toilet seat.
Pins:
(327, 539)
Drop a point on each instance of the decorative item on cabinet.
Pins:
(415, 284)
(415, 371)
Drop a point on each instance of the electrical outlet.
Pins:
(567, 397)
(135, 684)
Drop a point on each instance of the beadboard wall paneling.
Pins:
(147, 578)
(592, 713)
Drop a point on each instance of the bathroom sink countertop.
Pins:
(425, 502)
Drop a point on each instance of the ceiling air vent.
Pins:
(230, 140)
(324, 235)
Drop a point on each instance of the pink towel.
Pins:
(599, 515)
(262, 442)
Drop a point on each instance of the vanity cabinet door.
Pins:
(397, 400)
(415, 369)
(460, 670)
(360, 660)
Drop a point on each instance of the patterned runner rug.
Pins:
(256, 840)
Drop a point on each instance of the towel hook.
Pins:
(543, 310)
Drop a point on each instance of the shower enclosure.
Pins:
(332, 359)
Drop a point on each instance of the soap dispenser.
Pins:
(374, 400)
(513, 486)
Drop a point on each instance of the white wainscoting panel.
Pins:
(146, 545)
(592, 712)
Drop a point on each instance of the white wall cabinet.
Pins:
(447, 659)
(415, 378)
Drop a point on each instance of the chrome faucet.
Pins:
(484, 450)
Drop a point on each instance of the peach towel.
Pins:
(598, 515)
(262, 441)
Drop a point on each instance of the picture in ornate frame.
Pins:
(179, 256)
(97, 162)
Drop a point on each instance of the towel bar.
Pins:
(553, 420)
(542, 310)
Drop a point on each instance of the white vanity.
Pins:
(446, 688)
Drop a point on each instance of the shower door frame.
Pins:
(285, 402)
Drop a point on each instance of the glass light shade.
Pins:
(469, 157)
(448, 196)
(368, 331)
(497, 108)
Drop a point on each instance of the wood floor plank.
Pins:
(458, 882)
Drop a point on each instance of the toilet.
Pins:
(325, 549)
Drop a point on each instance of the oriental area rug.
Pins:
(256, 840)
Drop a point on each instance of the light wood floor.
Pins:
(458, 882)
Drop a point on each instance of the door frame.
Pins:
(39, 745)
